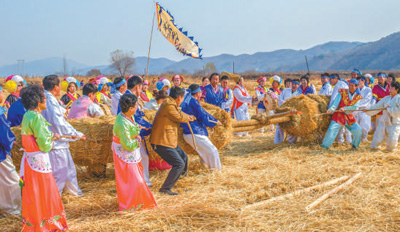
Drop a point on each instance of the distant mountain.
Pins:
(42, 67)
(378, 55)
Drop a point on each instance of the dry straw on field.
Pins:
(253, 170)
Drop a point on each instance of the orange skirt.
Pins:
(42, 208)
(132, 191)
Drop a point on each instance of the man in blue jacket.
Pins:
(207, 151)
(213, 93)
(10, 192)
(16, 112)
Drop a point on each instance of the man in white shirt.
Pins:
(228, 94)
(119, 87)
(285, 95)
(326, 88)
(389, 122)
(363, 119)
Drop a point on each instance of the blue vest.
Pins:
(214, 98)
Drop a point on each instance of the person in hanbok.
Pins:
(134, 88)
(261, 93)
(391, 78)
(288, 83)
(355, 73)
(326, 88)
(42, 208)
(14, 84)
(157, 100)
(275, 82)
(163, 84)
(345, 101)
(389, 123)
(337, 84)
(63, 166)
(69, 85)
(228, 94)
(84, 107)
(363, 119)
(10, 192)
(118, 88)
(132, 191)
(379, 91)
(177, 80)
(191, 105)
(213, 93)
(204, 82)
(145, 94)
(306, 88)
(286, 94)
(370, 80)
(16, 112)
(103, 95)
(241, 102)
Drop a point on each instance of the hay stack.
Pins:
(306, 125)
(220, 136)
(94, 153)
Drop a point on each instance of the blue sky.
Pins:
(88, 30)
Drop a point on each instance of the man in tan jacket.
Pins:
(164, 137)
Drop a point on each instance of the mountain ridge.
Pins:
(340, 55)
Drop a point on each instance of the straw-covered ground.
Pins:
(253, 170)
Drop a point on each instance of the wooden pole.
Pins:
(191, 131)
(298, 192)
(333, 191)
(151, 38)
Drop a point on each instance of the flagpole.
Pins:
(151, 38)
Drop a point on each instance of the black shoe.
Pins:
(168, 191)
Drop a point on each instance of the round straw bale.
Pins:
(94, 153)
(307, 125)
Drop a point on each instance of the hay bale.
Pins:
(306, 125)
(94, 153)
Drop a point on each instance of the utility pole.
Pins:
(19, 62)
(233, 67)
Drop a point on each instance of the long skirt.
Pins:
(132, 190)
(42, 208)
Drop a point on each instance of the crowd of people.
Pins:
(48, 170)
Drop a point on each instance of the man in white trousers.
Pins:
(389, 123)
(62, 165)
(206, 149)
(363, 119)
(285, 95)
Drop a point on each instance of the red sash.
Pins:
(71, 97)
(340, 117)
(262, 90)
(235, 101)
(105, 94)
(144, 97)
(277, 91)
